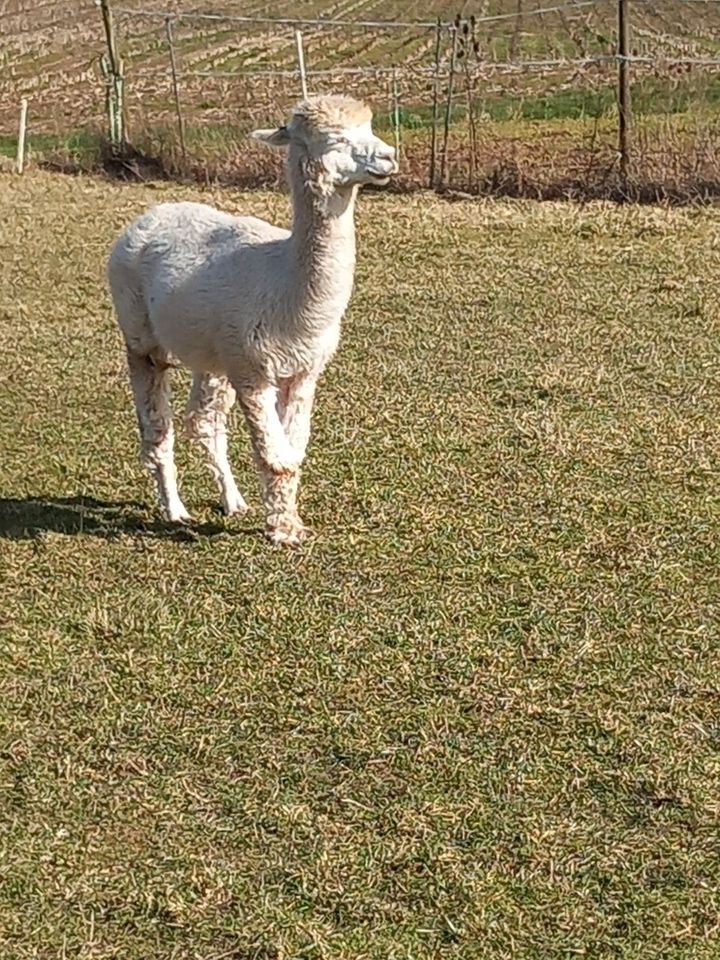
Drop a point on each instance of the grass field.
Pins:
(478, 717)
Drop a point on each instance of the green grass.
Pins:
(82, 146)
(650, 98)
(478, 716)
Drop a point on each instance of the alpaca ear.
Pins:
(273, 138)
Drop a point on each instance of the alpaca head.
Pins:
(332, 139)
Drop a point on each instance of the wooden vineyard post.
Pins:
(448, 108)
(20, 159)
(624, 107)
(395, 113)
(111, 66)
(301, 63)
(470, 46)
(176, 93)
(436, 104)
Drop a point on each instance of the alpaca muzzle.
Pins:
(383, 167)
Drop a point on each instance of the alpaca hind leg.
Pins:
(150, 381)
(278, 464)
(211, 399)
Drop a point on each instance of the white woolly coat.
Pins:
(234, 296)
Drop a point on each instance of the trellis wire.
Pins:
(477, 70)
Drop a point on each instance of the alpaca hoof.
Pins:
(235, 509)
(234, 506)
(289, 535)
(178, 515)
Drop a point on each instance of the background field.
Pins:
(478, 716)
(534, 112)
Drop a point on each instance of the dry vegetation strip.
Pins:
(478, 717)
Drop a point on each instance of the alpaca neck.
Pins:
(323, 250)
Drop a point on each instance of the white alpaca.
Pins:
(252, 309)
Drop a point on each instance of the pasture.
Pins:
(477, 716)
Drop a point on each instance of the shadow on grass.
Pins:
(31, 517)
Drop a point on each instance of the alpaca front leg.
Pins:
(278, 463)
(283, 525)
(150, 383)
(294, 406)
(270, 442)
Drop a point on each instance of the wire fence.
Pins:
(513, 96)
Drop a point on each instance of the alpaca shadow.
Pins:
(29, 518)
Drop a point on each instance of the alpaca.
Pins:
(252, 309)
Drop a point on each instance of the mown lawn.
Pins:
(479, 716)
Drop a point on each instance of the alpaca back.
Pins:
(192, 280)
